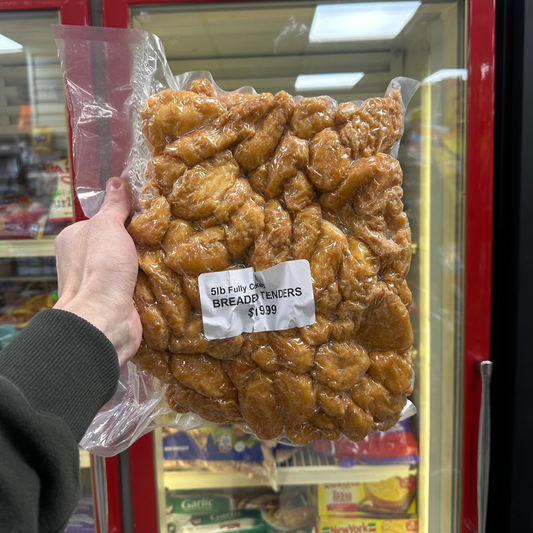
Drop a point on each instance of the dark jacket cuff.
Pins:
(64, 366)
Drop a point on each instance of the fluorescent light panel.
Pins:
(361, 22)
(341, 80)
(7, 46)
(445, 74)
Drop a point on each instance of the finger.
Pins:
(117, 199)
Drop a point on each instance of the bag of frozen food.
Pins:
(272, 245)
(221, 449)
(288, 510)
(397, 445)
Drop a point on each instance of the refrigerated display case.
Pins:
(446, 155)
(36, 196)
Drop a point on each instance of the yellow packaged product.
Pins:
(392, 497)
(364, 525)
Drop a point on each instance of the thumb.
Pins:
(117, 199)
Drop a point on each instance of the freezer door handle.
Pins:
(100, 489)
(483, 460)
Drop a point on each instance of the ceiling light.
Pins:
(447, 73)
(341, 80)
(7, 46)
(361, 22)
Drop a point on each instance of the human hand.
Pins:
(97, 271)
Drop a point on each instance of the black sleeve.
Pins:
(54, 377)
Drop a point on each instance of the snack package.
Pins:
(223, 449)
(393, 497)
(398, 445)
(272, 245)
(365, 525)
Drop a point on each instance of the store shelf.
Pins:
(85, 459)
(28, 247)
(303, 468)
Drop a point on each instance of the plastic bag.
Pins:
(119, 88)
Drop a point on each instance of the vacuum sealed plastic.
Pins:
(272, 242)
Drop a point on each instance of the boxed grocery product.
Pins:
(272, 244)
(364, 525)
(393, 497)
(222, 448)
(252, 509)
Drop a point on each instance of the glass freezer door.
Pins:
(422, 480)
(36, 197)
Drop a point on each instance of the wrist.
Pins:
(86, 309)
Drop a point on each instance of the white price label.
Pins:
(238, 301)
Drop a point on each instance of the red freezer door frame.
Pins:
(479, 213)
(77, 12)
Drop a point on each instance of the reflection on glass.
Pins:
(35, 187)
(35, 183)
(301, 47)
(361, 21)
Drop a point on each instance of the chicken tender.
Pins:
(258, 179)
(193, 340)
(149, 193)
(258, 404)
(202, 86)
(329, 428)
(227, 348)
(356, 424)
(273, 245)
(234, 199)
(147, 228)
(246, 225)
(361, 174)
(306, 231)
(298, 193)
(292, 352)
(328, 256)
(335, 404)
(156, 331)
(231, 127)
(266, 358)
(179, 230)
(342, 330)
(340, 365)
(217, 410)
(204, 251)
(197, 193)
(329, 160)
(291, 156)
(168, 290)
(386, 325)
(376, 400)
(192, 291)
(394, 370)
(375, 127)
(240, 370)
(296, 395)
(171, 114)
(258, 148)
(317, 333)
(154, 362)
(203, 374)
(312, 116)
(163, 171)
